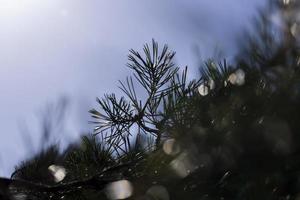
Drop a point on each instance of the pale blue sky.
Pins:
(78, 49)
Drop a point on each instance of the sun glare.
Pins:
(15, 8)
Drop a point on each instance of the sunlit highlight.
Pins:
(183, 165)
(237, 78)
(119, 190)
(286, 2)
(171, 147)
(203, 89)
(58, 172)
(294, 29)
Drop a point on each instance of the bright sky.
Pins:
(78, 49)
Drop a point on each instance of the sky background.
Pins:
(77, 50)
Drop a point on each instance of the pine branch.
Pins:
(154, 72)
(96, 182)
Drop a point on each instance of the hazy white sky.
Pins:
(78, 48)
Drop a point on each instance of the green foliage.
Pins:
(92, 151)
(156, 75)
(36, 169)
